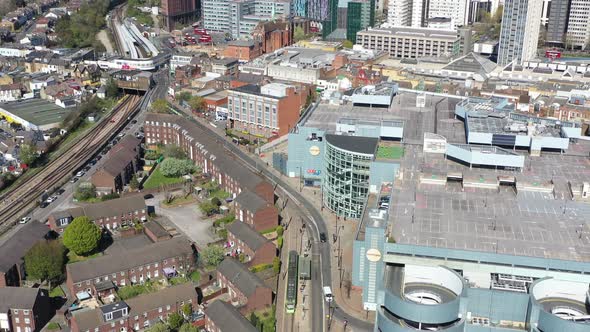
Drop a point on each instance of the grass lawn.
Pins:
(266, 319)
(181, 200)
(195, 276)
(219, 193)
(73, 258)
(130, 291)
(57, 292)
(157, 179)
(390, 152)
(53, 326)
(177, 281)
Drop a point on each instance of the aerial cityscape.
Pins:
(294, 165)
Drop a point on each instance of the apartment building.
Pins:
(207, 153)
(558, 22)
(135, 314)
(243, 286)
(416, 13)
(519, 34)
(110, 214)
(24, 309)
(243, 239)
(126, 267)
(270, 110)
(118, 170)
(221, 316)
(240, 17)
(403, 42)
(179, 11)
(578, 28)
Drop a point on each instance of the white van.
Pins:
(328, 294)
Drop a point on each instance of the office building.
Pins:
(519, 34)
(179, 11)
(558, 22)
(360, 14)
(578, 29)
(240, 17)
(404, 42)
(416, 13)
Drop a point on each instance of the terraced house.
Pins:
(126, 267)
(209, 154)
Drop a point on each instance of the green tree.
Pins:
(184, 96)
(187, 309)
(280, 242)
(174, 151)
(187, 327)
(298, 34)
(134, 183)
(82, 236)
(45, 261)
(208, 208)
(212, 255)
(276, 264)
(111, 88)
(215, 201)
(85, 191)
(159, 327)
(347, 44)
(175, 321)
(159, 106)
(197, 103)
(254, 320)
(27, 154)
(173, 167)
(280, 230)
(80, 29)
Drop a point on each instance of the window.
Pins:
(108, 316)
(15, 311)
(136, 317)
(17, 320)
(27, 321)
(160, 309)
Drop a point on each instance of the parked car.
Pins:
(24, 220)
(87, 168)
(44, 205)
(323, 237)
(60, 191)
(74, 180)
(80, 174)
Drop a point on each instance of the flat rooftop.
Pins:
(401, 111)
(37, 111)
(412, 33)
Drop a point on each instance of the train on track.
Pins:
(292, 278)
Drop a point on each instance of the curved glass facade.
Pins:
(346, 181)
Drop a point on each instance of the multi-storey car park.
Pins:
(451, 235)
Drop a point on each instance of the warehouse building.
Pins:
(35, 114)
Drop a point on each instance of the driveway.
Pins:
(187, 219)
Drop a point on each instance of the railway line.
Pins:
(21, 199)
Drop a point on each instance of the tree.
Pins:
(208, 208)
(276, 264)
(347, 44)
(174, 151)
(187, 327)
(85, 191)
(212, 255)
(187, 309)
(159, 106)
(134, 183)
(111, 88)
(46, 261)
(298, 34)
(215, 201)
(280, 242)
(280, 230)
(254, 320)
(27, 154)
(173, 167)
(184, 96)
(82, 236)
(197, 103)
(159, 327)
(175, 321)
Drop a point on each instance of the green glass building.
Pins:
(360, 14)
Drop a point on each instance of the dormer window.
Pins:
(108, 316)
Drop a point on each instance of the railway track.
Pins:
(20, 200)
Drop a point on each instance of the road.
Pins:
(321, 257)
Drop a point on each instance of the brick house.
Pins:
(24, 309)
(255, 211)
(243, 286)
(122, 163)
(109, 214)
(13, 250)
(221, 316)
(134, 314)
(243, 50)
(243, 239)
(126, 267)
(268, 110)
(207, 153)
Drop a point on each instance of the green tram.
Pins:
(292, 277)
